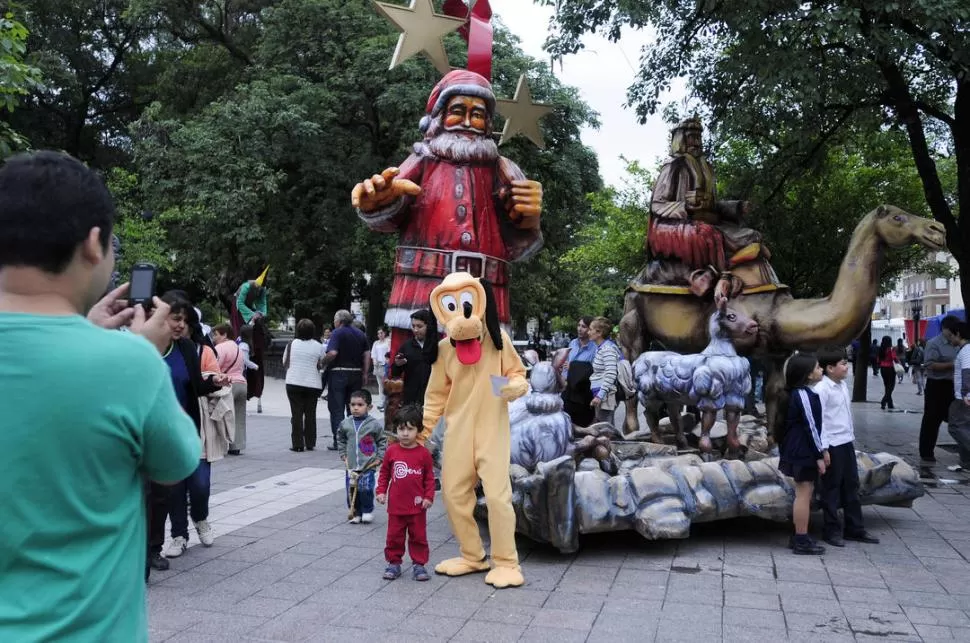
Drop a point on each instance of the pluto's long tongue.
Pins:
(469, 351)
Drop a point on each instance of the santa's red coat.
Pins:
(462, 208)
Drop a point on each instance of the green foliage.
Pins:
(825, 202)
(142, 236)
(244, 126)
(17, 79)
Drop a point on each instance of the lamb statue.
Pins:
(714, 379)
(541, 430)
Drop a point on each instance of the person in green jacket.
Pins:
(250, 308)
(361, 444)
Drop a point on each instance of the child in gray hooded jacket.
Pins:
(361, 444)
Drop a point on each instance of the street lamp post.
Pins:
(917, 311)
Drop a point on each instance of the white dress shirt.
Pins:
(837, 426)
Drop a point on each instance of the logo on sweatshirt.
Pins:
(367, 445)
(402, 470)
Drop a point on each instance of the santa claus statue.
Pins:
(457, 204)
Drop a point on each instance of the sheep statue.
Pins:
(541, 431)
(714, 379)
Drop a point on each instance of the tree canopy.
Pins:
(795, 79)
(17, 80)
(232, 134)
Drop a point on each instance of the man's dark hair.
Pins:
(831, 357)
(305, 329)
(411, 414)
(362, 394)
(49, 202)
(951, 323)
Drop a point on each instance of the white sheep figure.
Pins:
(714, 379)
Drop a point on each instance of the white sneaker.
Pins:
(204, 530)
(176, 548)
(355, 520)
(367, 518)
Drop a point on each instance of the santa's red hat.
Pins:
(459, 82)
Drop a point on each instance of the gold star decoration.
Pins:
(522, 115)
(421, 32)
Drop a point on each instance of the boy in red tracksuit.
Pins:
(406, 485)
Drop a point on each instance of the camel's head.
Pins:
(733, 323)
(898, 228)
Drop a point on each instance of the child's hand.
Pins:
(426, 503)
(827, 458)
(821, 466)
(382, 498)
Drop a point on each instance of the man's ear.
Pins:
(92, 251)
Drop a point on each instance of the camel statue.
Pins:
(680, 322)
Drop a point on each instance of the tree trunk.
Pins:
(377, 299)
(860, 384)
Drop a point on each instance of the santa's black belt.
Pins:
(431, 262)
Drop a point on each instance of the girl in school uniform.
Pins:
(798, 430)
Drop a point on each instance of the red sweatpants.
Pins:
(416, 528)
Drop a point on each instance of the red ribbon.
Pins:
(477, 32)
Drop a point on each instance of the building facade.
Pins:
(934, 295)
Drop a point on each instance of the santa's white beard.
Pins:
(460, 148)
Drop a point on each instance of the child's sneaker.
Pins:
(419, 573)
(392, 572)
(367, 518)
(355, 520)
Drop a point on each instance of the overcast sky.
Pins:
(602, 72)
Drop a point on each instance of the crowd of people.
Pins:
(88, 483)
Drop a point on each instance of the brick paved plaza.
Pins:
(286, 566)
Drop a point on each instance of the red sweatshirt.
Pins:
(407, 476)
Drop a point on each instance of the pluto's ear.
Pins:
(491, 314)
(881, 211)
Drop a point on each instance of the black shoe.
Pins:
(331, 447)
(159, 562)
(863, 537)
(805, 546)
(296, 450)
(310, 448)
(835, 540)
(234, 452)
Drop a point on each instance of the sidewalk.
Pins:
(288, 567)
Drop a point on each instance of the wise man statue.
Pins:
(690, 224)
(456, 203)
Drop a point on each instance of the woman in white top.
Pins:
(301, 359)
(378, 357)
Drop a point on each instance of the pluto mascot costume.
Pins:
(477, 435)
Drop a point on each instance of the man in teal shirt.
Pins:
(88, 414)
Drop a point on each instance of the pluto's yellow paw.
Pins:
(505, 577)
(459, 567)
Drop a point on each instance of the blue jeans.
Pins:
(365, 493)
(342, 384)
(196, 486)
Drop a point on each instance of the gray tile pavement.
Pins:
(301, 573)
